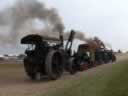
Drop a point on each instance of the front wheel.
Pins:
(31, 70)
(72, 67)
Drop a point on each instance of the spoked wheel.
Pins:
(31, 70)
(72, 67)
(54, 65)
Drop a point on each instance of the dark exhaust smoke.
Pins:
(16, 17)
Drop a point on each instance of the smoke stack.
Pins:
(78, 35)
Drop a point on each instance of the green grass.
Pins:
(105, 80)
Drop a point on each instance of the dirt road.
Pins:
(13, 81)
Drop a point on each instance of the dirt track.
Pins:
(13, 81)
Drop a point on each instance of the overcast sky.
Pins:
(107, 19)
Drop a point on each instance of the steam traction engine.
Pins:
(91, 54)
(47, 56)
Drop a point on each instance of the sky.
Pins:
(107, 19)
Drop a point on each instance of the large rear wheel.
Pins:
(54, 65)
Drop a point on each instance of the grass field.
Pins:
(106, 80)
